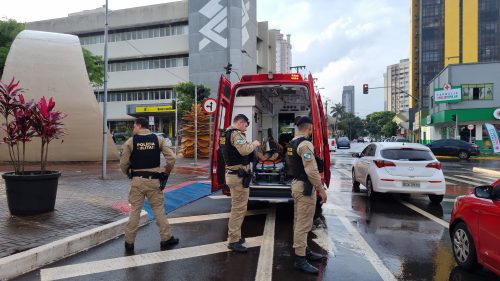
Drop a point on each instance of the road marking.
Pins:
(463, 181)
(265, 263)
(94, 267)
(474, 179)
(219, 197)
(425, 214)
(367, 251)
(344, 172)
(212, 217)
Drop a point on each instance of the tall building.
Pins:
(152, 48)
(348, 99)
(396, 86)
(283, 52)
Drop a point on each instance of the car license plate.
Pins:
(411, 184)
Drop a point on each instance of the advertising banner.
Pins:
(492, 133)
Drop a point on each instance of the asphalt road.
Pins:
(392, 238)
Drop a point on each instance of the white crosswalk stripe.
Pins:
(465, 181)
(475, 178)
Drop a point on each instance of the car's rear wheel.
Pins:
(355, 183)
(369, 188)
(464, 155)
(436, 199)
(464, 250)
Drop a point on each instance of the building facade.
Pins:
(470, 92)
(448, 32)
(153, 48)
(396, 87)
(348, 99)
(283, 52)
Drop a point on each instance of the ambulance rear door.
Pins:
(225, 100)
(326, 147)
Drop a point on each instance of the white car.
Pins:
(163, 135)
(332, 144)
(392, 167)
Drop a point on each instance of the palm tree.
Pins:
(337, 111)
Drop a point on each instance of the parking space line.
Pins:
(219, 197)
(474, 179)
(212, 217)
(265, 263)
(101, 266)
(367, 251)
(425, 214)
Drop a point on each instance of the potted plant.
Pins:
(29, 192)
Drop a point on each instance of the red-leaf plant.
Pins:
(47, 123)
(24, 120)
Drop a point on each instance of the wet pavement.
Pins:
(390, 238)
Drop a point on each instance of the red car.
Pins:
(475, 228)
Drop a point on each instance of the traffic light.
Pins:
(200, 93)
(228, 68)
(453, 117)
(365, 89)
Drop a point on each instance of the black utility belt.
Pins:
(147, 175)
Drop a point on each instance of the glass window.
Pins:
(410, 155)
(168, 63)
(139, 65)
(156, 64)
(186, 61)
(134, 35)
(162, 32)
(139, 34)
(163, 93)
(139, 96)
(157, 32)
(145, 64)
(151, 64)
(157, 95)
(168, 31)
(151, 33)
(162, 63)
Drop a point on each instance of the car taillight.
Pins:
(475, 146)
(333, 142)
(435, 165)
(383, 163)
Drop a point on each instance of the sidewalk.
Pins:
(84, 201)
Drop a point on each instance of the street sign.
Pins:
(155, 108)
(151, 120)
(496, 113)
(470, 127)
(210, 105)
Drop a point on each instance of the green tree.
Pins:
(185, 96)
(337, 112)
(8, 32)
(95, 68)
(351, 125)
(390, 129)
(376, 121)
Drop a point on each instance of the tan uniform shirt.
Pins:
(306, 153)
(165, 150)
(239, 141)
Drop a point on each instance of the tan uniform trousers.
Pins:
(149, 188)
(303, 215)
(239, 200)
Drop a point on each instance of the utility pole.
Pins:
(105, 105)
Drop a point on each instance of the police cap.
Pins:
(304, 120)
(241, 117)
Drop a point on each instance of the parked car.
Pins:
(361, 139)
(401, 139)
(163, 135)
(475, 228)
(451, 147)
(343, 142)
(395, 167)
(333, 145)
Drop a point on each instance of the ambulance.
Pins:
(273, 103)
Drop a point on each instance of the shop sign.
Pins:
(448, 94)
(157, 108)
(496, 113)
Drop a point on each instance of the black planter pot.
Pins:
(32, 192)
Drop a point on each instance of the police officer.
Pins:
(142, 154)
(307, 181)
(236, 152)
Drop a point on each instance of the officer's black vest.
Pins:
(145, 152)
(297, 170)
(229, 152)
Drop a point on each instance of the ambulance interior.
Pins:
(272, 110)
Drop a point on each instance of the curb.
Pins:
(24, 262)
(486, 171)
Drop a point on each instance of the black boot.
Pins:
(313, 256)
(129, 247)
(302, 265)
(169, 242)
(237, 247)
(242, 240)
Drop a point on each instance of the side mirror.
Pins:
(357, 155)
(484, 191)
(495, 193)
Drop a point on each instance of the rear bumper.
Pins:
(474, 153)
(396, 186)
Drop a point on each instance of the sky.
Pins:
(341, 42)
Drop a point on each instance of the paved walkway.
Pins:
(84, 201)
